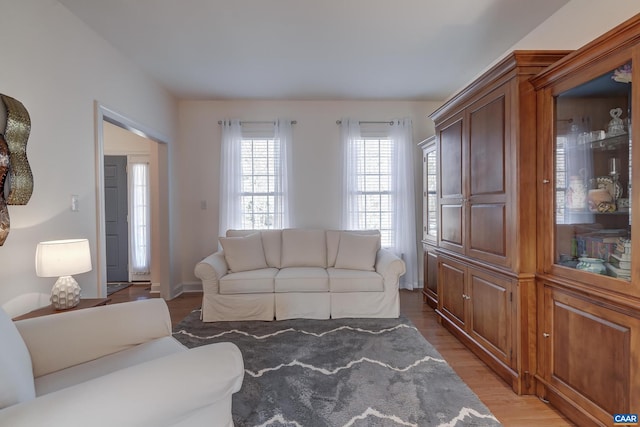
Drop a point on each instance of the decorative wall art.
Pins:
(15, 126)
(4, 170)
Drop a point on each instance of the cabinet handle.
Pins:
(465, 296)
(546, 335)
(545, 181)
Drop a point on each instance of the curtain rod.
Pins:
(293, 122)
(390, 123)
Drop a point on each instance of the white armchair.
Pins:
(116, 365)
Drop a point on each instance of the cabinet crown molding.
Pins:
(521, 62)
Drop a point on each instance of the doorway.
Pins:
(156, 155)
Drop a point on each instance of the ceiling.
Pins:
(305, 49)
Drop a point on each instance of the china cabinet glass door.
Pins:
(592, 160)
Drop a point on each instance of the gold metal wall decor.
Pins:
(4, 211)
(14, 164)
(16, 134)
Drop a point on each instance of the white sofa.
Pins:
(299, 273)
(116, 365)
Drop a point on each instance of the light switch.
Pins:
(74, 203)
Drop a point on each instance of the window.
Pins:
(374, 193)
(261, 199)
(141, 218)
(561, 179)
(378, 187)
(254, 175)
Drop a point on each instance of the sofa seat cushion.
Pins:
(302, 279)
(343, 280)
(249, 282)
(108, 364)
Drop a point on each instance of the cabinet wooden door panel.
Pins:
(451, 189)
(487, 199)
(451, 227)
(591, 354)
(451, 288)
(487, 230)
(491, 310)
(432, 271)
(487, 147)
(450, 150)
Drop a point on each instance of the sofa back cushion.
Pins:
(244, 253)
(357, 251)
(333, 242)
(304, 248)
(16, 373)
(271, 243)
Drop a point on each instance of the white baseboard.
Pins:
(191, 287)
(185, 288)
(155, 288)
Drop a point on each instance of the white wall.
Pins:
(57, 68)
(316, 160)
(573, 26)
(577, 23)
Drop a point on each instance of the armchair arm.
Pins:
(391, 267)
(142, 395)
(210, 270)
(62, 340)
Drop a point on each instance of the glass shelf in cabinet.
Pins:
(610, 142)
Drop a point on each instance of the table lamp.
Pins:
(62, 258)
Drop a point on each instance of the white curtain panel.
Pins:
(404, 189)
(283, 136)
(230, 176)
(350, 133)
(140, 227)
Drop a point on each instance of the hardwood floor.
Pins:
(512, 410)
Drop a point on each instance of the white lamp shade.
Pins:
(57, 258)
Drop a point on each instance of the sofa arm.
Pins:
(62, 340)
(161, 392)
(391, 267)
(210, 270)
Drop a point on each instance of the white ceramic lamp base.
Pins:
(65, 293)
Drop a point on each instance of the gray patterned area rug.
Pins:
(340, 373)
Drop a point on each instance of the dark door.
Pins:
(116, 210)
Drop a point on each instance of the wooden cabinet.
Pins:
(429, 220)
(589, 317)
(486, 146)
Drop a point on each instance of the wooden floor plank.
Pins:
(512, 410)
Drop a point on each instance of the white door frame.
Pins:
(160, 271)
